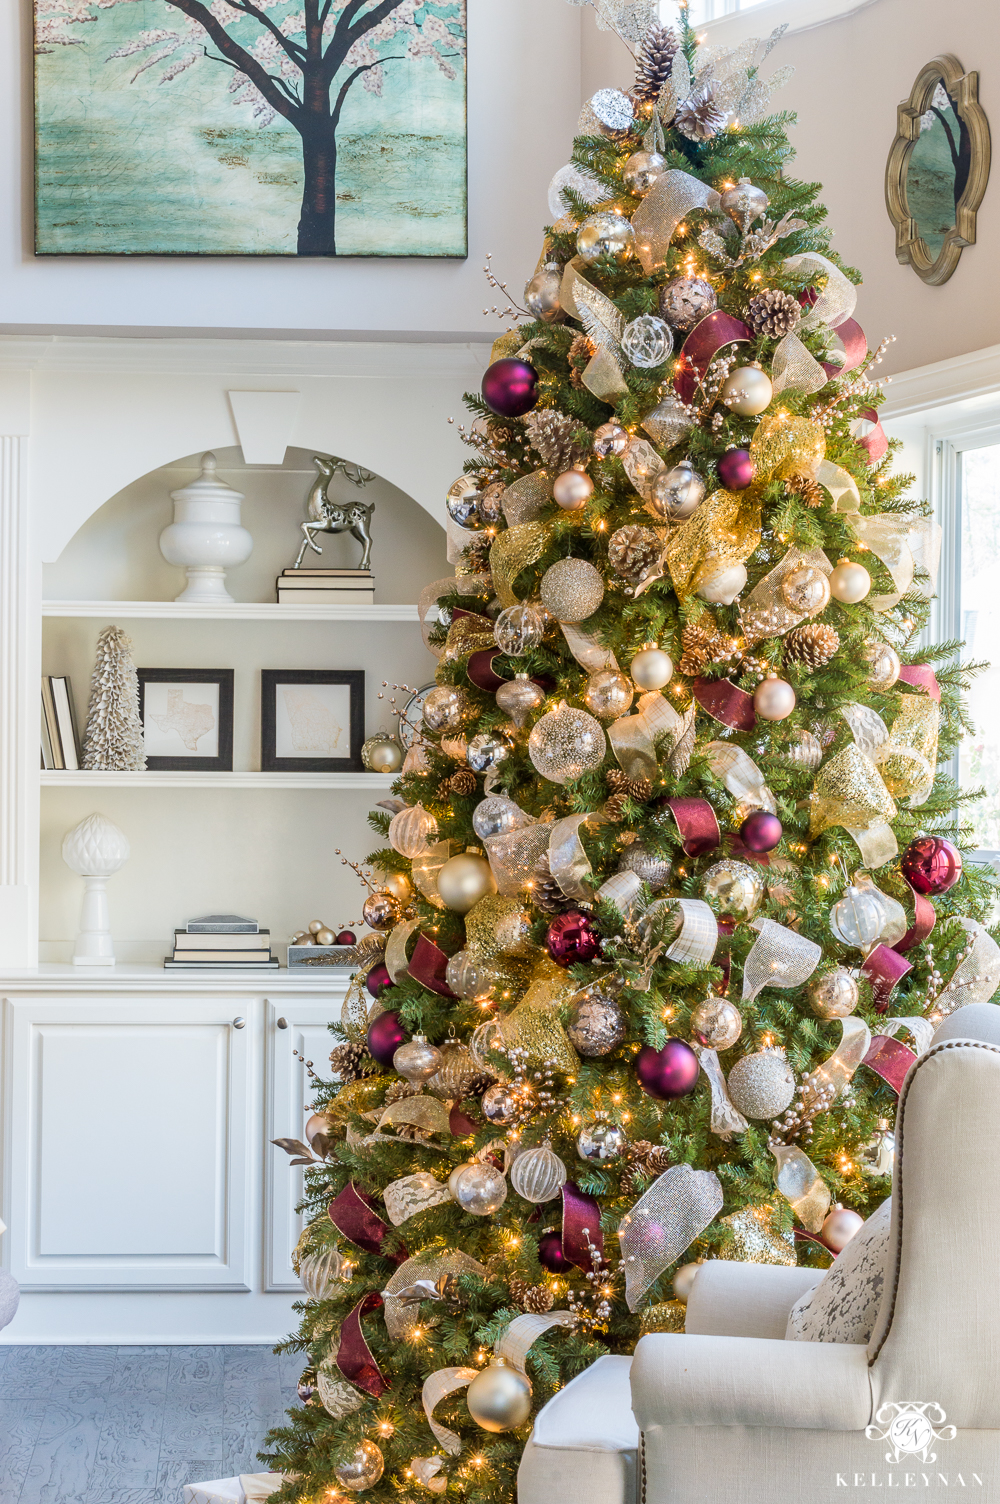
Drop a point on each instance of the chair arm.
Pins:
(735, 1299)
(679, 1380)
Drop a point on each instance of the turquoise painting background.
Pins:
(146, 168)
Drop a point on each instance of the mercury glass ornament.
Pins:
(857, 917)
(834, 995)
(364, 1469)
(497, 815)
(412, 830)
(596, 1026)
(600, 1142)
(480, 1189)
(806, 589)
(381, 911)
(499, 1104)
(610, 439)
(538, 1174)
(541, 293)
(761, 1085)
(519, 697)
(716, 1023)
(850, 582)
(445, 708)
(746, 391)
(677, 492)
(684, 301)
(463, 509)
(417, 1060)
(572, 589)
(642, 170)
(839, 1227)
(464, 880)
(566, 743)
(774, 698)
(466, 975)
(458, 1068)
(572, 490)
(518, 630)
(499, 1397)
(649, 868)
(608, 694)
(487, 750)
(605, 234)
(647, 341)
(733, 888)
(744, 203)
(884, 665)
(877, 1156)
(722, 589)
(651, 668)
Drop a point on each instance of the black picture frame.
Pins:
(223, 677)
(271, 679)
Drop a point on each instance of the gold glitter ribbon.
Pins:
(672, 196)
(514, 856)
(756, 1239)
(849, 791)
(498, 926)
(430, 1265)
(838, 1069)
(783, 446)
(525, 499)
(765, 613)
(798, 1180)
(740, 774)
(779, 958)
(726, 1118)
(663, 1223)
(470, 585)
(642, 465)
(513, 551)
(908, 759)
(467, 635)
(724, 531)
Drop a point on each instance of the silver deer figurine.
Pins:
(326, 516)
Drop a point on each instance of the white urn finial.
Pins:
(95, 849)
(206, 534)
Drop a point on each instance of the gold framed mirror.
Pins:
(938, 168)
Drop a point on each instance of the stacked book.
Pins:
(60, 748)
(326, 587)
(222, 940)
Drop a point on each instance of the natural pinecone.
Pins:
(398, 1091)
(546, 893)
(461, 783)
(351, 1061)
(633, 550)
(551, 434)
(580, 352)
(773, 312)
(812, 644)
(645, 1162)
(615, 808)
(703, 645)
(639, 789)
(536, 1299)
(656, 56)
(810, 491)
(699, 117)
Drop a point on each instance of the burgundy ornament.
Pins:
(736, 469)
(572, 937)
(931, 864)
(760, 831)
(346, 937)
(385, 1035)
(667, 1073)
(378, 979)
(510, 387)
(550, 1253)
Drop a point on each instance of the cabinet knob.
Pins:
(239, 1023)
(282, 1023)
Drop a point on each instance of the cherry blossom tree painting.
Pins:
(250, 127)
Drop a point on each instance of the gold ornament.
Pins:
(499, 1398)
(399, 885)
(411, 831)
(733, 888)
(381, 753)
(363, 1470)
(608, 694)
(651, 668)
(716, 1023)
(464, 880)
(884, 665)
(757, 1239)
(834, 995)
(456, 1070)
(572, 589)
(381, 911)
(806, 590)
(850, 582)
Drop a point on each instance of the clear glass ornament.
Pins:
(538, 1174)
(857, 918)
(467, 976)
(566, 743)
(608, 694)
(647, 342)
(572, 589)
(519, 697)
(497, 815)
(412, 831)
(321, 1272)
(600, 1142)
(518, 630)
(479, 1188)
(445, 707)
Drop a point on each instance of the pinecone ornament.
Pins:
(699, 117)
(773, 312)
(632, 552)
(639, 789)
(703, 645)
(645, 1162)
(580, 352)
(351, 1061)
(656, 57)
(551, 434)
(546, 893)
(810, 491)
(812, 644)
(615, 808)
(398, 1091)
(536, 1299)
(461, 784)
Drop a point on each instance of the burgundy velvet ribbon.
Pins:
(706, 339)
(726, 703)
(351, 1214)
(884, 968)
(889, 1059)
(427, 966)
(354, 1356)
(461, 611)
(580, 1211)
(460, 1125)
(924, 920)
(855, 343)
(697, 824)
(480, 669)
(921, 676)
(875, 443)
(741, 853)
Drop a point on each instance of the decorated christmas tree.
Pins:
(672, 890)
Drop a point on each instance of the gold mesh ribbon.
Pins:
(525, 499)
(798, 1180)
(425, 869)
(837, 297)
(849, 791)
(977, 975)
(430, 1265)
(793, 369)
(470, 585)
(427, 1113)
(568, 861)
(513, 551)
(757, 1239)
(908, 759)
(765, 613)
(740, 774)
(673, 195)
(514, 856)
(437, 1386)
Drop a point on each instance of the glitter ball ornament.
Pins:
(550, 1254)
(510, 387)
(884, 665)
(761, 1085)
(774, 699)
(496, 816)
(541, 293)
(486, 750)
(596, 1026)
(857, 917)
(642, 171)
(445, 708)
(417, 1060)
(572, 937)
(363, 1470)
(566, 743)
(677, 492)
(518, 630)
(839, 1227)
(466, 975)
(733, 888)
(744, 203)
(479, 1188)
(499, 1104)
(649, 868)
(384, 1037)
(605, 234)
(716, 1023)
(600, 1142)
(667, 1073)
(538, 1174)
(499, 1398)
(761, 831)
(806, 589)
(833, 995)
(746, 391)
(850, 582)
(931, 864)
(651, 668)
(572, 589)
(572, 490)
(608, 694)
(736, 469)
(610, 439)
(519, 697)
(381, 911)
(378, 979)
(722, 589)
(464, 880)
(647, 342)
(684, 301)
(412, 830)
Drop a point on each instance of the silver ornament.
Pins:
(834, 995)
(669, 421)
(541, 294)
(588, 188)
(499, 1104)
(596, 1025)
(805, 750)
(417, 1060)
(364, 1469)
(496, 816)
(479, 1189)
(647, 342)
(608, 694)
(614, 110)
(677, 492)
(610, 439)
(642, 171)
(733, 888)
(684, 301)
(538, 1174)
(649, 868)
(761, 1085)
(716, 1023)
(600, 1142)
(878, 1155)
(744, 203)
(857, 918)
(605, 234)
(490, 508)
(518, 630)
(884, 665)
(746, 391)
(566, 743)
(572, 589)
(445, 708)
(519, 697)
(464, 511)
(806, 589)
(486, 750)
(499, 1398)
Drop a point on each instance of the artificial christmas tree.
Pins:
(113, 738)
(714, 902)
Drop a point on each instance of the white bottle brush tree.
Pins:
(113, 739)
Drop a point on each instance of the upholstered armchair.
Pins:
(729, 1412)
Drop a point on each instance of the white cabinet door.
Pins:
(291, 1024)
(127, 1132)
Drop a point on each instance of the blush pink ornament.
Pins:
(572, 490)
(774, 699)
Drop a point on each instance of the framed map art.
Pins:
(312, 720)
(187, 719)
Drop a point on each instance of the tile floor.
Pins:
(132, 1425)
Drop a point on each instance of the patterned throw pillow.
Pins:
(844, 1305)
